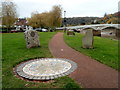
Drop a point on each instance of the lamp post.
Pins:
(64, 21)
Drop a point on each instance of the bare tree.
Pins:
(56, 16)
(49, 19)
(33, 21)
(36, 20)
(9, 13)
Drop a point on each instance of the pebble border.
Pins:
(19, 70)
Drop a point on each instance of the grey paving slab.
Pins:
(51, 77)
(31, 77)
(47, 78)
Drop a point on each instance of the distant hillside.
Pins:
(110, 18)
(79, 20)
(117, 14)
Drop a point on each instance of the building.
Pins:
(21, 24)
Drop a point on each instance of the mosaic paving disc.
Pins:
(46, 68)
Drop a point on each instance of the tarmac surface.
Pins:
(89, 73)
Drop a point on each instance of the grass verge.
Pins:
(14, 51)
(105, 50)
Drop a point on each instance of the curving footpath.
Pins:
(89, 73)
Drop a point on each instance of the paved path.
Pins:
(90, 73)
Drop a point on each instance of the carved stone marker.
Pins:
(32, 39)
(87, 41)
(96, 33)
(70, 32)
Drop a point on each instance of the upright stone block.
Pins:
(70, 32)
(87, 41)
(32, 39)
(118, 33)
(96, 32)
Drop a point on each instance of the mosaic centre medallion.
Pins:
(45, 68)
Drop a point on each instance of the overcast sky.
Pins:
(73, 8)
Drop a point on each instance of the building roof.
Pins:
(21, 21)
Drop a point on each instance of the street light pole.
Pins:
(64, 21)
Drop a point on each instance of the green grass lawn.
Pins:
(14, 51)
(105, 50)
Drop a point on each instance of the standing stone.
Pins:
(87, 41)
(118, 33)
(32, 39)
(70, 32)
(96, 33)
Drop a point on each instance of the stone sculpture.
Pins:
(87, 41)
(32, 39)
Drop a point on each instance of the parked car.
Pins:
(38, 29)
(15, 31)
(44, 30)
(41, 30)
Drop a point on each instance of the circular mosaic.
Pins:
(46, 68)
